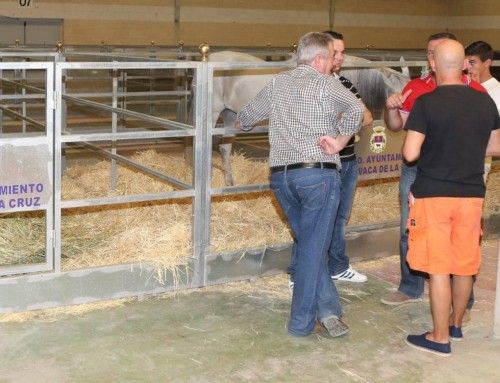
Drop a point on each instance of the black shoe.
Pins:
(456, 333)
(422, 343)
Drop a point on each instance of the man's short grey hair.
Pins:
(311, 45)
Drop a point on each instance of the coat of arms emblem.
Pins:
(378, 139)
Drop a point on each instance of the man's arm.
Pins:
(345, 109)
(332, 145)
(394, 118)
(256, 110)
(413, 144)
(493, 148)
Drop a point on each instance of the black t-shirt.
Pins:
(457, 122)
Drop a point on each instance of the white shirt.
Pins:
(492, 86)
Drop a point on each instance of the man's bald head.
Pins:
(449, 60)
(449, 55)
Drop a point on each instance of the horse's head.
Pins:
(373, 84)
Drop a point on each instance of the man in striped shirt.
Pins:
(304, 106)
(338, 261)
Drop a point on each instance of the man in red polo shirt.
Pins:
(398, 107)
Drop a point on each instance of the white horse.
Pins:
(234, 89)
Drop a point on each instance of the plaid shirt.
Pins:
(302, 105)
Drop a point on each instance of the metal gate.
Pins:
(27, 158)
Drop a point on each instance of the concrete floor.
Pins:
(237, 333)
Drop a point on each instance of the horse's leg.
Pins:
(226, 146)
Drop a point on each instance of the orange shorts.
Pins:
(444, 235)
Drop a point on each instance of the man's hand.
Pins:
(397, 100)
(329, 145)
(237, 125)
(411, 199)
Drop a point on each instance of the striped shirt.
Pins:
(302, 105)
(347, 153)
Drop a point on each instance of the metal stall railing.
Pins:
(124, 280)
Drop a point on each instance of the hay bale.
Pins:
(160, 232)
(375, 202)
(22, 238)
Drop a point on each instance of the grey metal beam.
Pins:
(230, 190)
(137, 135)
(66, 204)
(124, 112)
(143, 64)
(22, 84)
(132, 94)
(202, 174)
(25, 65)
(22, 96)
(26, 53)
(24, 269)
(21, 117)
(116, 56)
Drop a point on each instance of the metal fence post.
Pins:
(114, 127)
(56, 130)
(202, 165)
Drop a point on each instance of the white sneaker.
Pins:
(350, 275)
(290, 286)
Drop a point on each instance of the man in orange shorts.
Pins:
(449, 131)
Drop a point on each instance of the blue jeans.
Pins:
(412, 282)
(309, 198)
(338, 262)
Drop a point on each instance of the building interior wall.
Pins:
(476, 20)
(380, 24)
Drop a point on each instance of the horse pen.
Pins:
(99, 205)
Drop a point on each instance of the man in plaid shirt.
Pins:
(311, 117)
